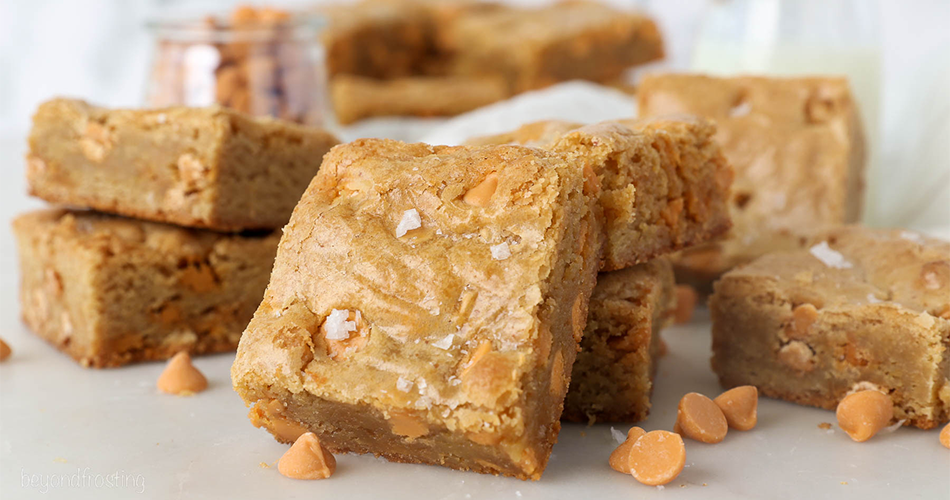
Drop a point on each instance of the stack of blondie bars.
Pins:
(444, 305)
(169, 235)
(444, 57)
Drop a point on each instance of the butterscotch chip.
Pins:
(620, 457)
(307, 459)
(864, 413)
(740, 407)
(181, 377)
(5, 350)
(481, 194)
(657, 457)
(945, 436)
(686, 299)
(699, 418)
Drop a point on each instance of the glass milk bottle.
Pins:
(801, 37)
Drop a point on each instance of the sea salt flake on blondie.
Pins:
(410, 220)
(446, 342)
(337, 326)
(829, 256)
(500, 251)
(403, 385)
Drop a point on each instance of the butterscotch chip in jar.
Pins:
(740, 407)
(945, 436)
(620, 457)
(699, 418)
(686, 298)
(307, 459)
(657, 457)
(181, 377)
(5, 350)
(864, 413)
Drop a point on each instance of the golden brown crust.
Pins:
(665, 181)
(110, 291)
(797, 148)
(199, 167)
(467, 316)
(855, 306)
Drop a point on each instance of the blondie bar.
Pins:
(534, 48)
(857, 308)
(798, 150)
(110, 291)
(355, 98)
(665, 183)
(612, 378)
(426, 305)
(200, 167)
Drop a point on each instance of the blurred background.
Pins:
(897, 54)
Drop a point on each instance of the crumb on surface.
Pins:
(824, 425)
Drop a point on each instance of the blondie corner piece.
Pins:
(665, 183)
(612, 378)
(859, 308)
(211, 168)
(798, 150)
(110, 291)
(426, 306)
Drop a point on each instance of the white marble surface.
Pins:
(66, 432)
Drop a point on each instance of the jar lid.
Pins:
(218, 29)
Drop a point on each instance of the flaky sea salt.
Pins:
(894, 427)
(873, 300)
(337, 327)
(619, 437)
(500, 251)
(410, 220)
(741, 110)
(403, 384)
(829, 257)
(446, 342)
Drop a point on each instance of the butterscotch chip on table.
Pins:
(797, 146)
(740, 406)
(109, 291)
(857, 308)
(199, 167)
(534, 48)
(404, 321)
(864, 413)
(356, 98)
(665, 183)
(657, 457)
(307, 459)
(612, 378)
(699, 418)
(181, 377)
(5, 350)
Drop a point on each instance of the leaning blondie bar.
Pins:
(798, 150)
(612, 378)
(110, 291)
(857, 308)
(665, 183)
(200, 167)
(426, 305)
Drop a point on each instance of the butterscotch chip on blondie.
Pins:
(404, 321)
(612, 378)
(665, 183)
(356, 98)
(200, 167)
(798, 150)
(534, 48)
(110, 291)
(857, 309)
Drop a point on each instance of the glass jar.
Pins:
(266, 63)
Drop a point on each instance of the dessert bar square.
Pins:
(612, 378)
(857, 308)
(426, 305)
(798, 150)
(110, 291)
(200, 167)
(664, 182)
(534, 48)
